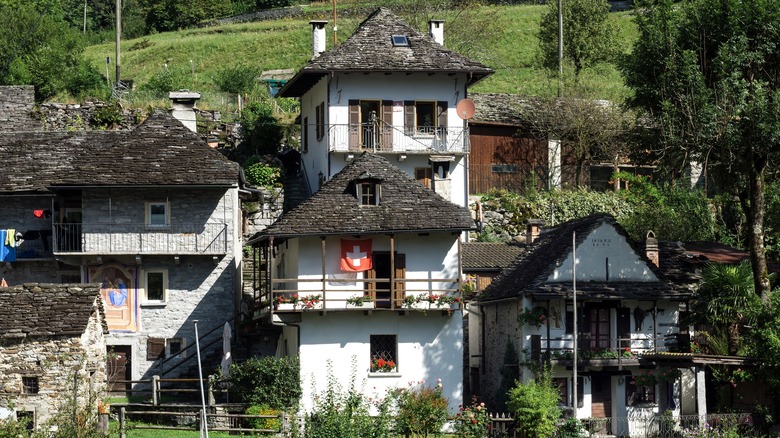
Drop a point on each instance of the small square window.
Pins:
(26, 417)
(425, 117)
(639, 393)
(30, 385)
(155, 286)
(384, 353)
(157, 214)
(368, 193)
(175, 347)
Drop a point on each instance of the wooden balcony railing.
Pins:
(99, 238)
(620, 349)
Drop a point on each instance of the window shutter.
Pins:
(400, 274)
(305, 135)
(354, 125)
(409, 117)
(387, 125)
(155, 348)
(442, 114)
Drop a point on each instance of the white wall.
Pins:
(316, 159)
(430, 347)
(604, 247)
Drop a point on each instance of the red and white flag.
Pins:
(355, 255)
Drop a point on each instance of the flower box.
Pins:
(284, 306)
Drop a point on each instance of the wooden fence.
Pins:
(217, 422)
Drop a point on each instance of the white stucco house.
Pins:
(634, 353)
(364, 278)
(389, 90)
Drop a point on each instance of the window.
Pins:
(423, 175)
(425, 117)
(384, 353)
(320, 119)
(27, 417)
(155, 287)
(400, 41)
(30, 384)
(157, 214)
(368, 193)
(175, 346)
(639, 394)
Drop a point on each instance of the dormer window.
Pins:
(368, 192)
(400, 41)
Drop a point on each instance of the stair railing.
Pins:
(203, 348)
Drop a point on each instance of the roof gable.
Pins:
(371, 49)
(542, 269)
(33, 310)
(405, 205)
(160, 151)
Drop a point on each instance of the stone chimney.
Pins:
(184, 107)
(441, 182)
(533, 228)
(436, 30)
(651, 248)
(317, 37)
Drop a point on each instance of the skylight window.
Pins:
(400, 41)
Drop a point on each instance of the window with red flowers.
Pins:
(384, 351)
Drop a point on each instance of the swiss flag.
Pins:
(355, 255)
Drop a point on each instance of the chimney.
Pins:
(317, 37)
(651, 248)
(184, 107)
(436, 30)
(441, 182)
(533, 228)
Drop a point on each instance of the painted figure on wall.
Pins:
(117, 288)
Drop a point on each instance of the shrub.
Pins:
(264, 423)
(535, 406)
(239, 79)
(260, 174)
(472, 421)
(270, 381)
(572, 428)
(166, 80)
(422, 410)
(261, 129)
(108, 117)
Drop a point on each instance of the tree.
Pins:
(707, 74)
(588, 35)
(535, 406)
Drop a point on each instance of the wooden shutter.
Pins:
(305, 135)
(624, 326)
(399, 276)
(409, 117)
(354, 125)
(370, 287)
(441, 123)
(155, 348)
(387, 125)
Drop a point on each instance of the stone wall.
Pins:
(81, 116)
(16, 109)
(261, 215)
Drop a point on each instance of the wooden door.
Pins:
(601, 405)
(119, 368)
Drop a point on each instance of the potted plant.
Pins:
(311, 301)
(285, 301)
(382, 366)
(359, 300)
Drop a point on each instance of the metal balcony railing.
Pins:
(380, 137)
(96, 238)
(604, 348)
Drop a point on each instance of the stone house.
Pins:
(151, 215)
(52, 349)
(360, 281)
(629, 304)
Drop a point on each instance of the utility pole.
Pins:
(335, 28)
(560, 46)
(118, 37)
(85, 17)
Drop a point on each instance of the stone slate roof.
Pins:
(405, 206)
(370, 49)
(502, 109)
(529, 272)
(159, 152)
(489, 256)
(33, 310)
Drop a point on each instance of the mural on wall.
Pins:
(119, 293)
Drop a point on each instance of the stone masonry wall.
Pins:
(501, 327)
(16, 109)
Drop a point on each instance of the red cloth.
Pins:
(38, 213)
(355, 255)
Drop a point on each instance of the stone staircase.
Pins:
(295, 191)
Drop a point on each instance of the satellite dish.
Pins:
(465, 109)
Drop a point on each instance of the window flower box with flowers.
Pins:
(440, 301)
(536, 317)
(360, 301)
(285, 302)
(311, 302)
(383, 366)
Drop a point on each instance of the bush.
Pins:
(239, 79)
(472, 421)
(264, 423)
(261, 129)
(421, 410)
(260, 174)
(166, 80)
(572, 428)
(270, 381)
(535, 406)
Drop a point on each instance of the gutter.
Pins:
(245, 188)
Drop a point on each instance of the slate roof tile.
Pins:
(160, 151)
(33, 309)
(370, 49)
(489, 256)
(405, 206)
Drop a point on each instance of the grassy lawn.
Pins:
(506, 41)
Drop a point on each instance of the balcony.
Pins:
(99, 238)
(382, 138)
(605, 351)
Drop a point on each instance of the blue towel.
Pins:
(7, 252)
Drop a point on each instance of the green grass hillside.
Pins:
(502, 37)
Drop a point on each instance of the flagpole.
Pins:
(574, 287)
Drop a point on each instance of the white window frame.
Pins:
(366, 185)
(145, 291)
(148, 214)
